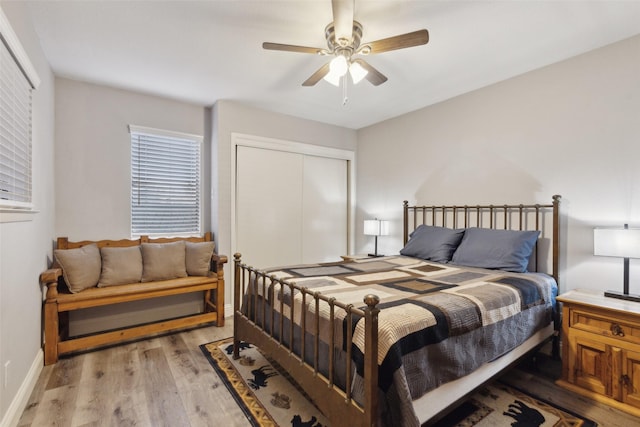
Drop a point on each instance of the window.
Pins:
(17, 79)
(165, 182)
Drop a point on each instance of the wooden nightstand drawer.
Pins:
(606, 325)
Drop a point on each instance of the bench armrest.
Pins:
(218, 262)
(50, 278)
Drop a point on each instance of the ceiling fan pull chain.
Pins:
(345, 98)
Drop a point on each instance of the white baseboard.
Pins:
(13, 414)
(228, 310)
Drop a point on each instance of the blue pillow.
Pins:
(433, 243)
(507, 250)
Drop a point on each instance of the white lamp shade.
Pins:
(338, 67)
(357, 72)
(334, 79)
(376, 227)
(617, 242)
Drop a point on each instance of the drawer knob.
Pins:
(625, 380)
(617, 330)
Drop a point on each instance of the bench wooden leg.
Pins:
(51, 333)
(220, 302)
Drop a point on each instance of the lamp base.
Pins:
(374, 255)
(620, 295)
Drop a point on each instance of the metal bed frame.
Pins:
(336, 403)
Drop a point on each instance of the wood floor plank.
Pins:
(67, 371)
(57, 406)
(93, 388)
(163, 398)
(129, 404)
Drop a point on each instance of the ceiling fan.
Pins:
(343, 36)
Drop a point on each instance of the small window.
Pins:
(17, 80)
(165, 183)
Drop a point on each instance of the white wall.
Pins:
(25, 247)
(572, 129)
(230, 117)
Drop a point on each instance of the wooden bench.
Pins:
(60, 301)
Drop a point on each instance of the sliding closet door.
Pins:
(291, 208)
(268, 209)
(324, 209)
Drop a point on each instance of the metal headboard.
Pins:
(506, 217)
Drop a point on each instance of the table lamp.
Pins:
(622, 243)
(376, 227)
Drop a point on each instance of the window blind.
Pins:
(165, 183)
(15, 133)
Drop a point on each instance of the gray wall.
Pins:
(25, 247)
(571, 129)
(93, 154)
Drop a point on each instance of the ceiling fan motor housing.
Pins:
(340, 45)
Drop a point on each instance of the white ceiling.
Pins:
(204, 51)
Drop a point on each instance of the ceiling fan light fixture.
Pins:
(357, 72)
(332, 78)
(339, 66)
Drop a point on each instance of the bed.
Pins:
(398, 340)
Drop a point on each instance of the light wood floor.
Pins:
(167, 381)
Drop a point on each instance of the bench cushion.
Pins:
(198, 256)
(120, 266)
(163, 261)
(81, 266)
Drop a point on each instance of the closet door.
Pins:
(291, 208)
(268, 208)
(324, 209)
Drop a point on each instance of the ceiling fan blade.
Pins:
(374, 76)
(291, 48)
(317, 76)
(343, 18)
(415, 38)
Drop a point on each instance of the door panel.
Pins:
(631, 379)
(269, 213)
(590, 369)
(325, 209)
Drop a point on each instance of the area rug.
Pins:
(268, 397)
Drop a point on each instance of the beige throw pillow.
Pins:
(80, 266)
(163, 261)
(199, 258)
(120, 266)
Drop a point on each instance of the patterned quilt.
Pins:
(437, 322)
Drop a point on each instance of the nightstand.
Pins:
(601, 348)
